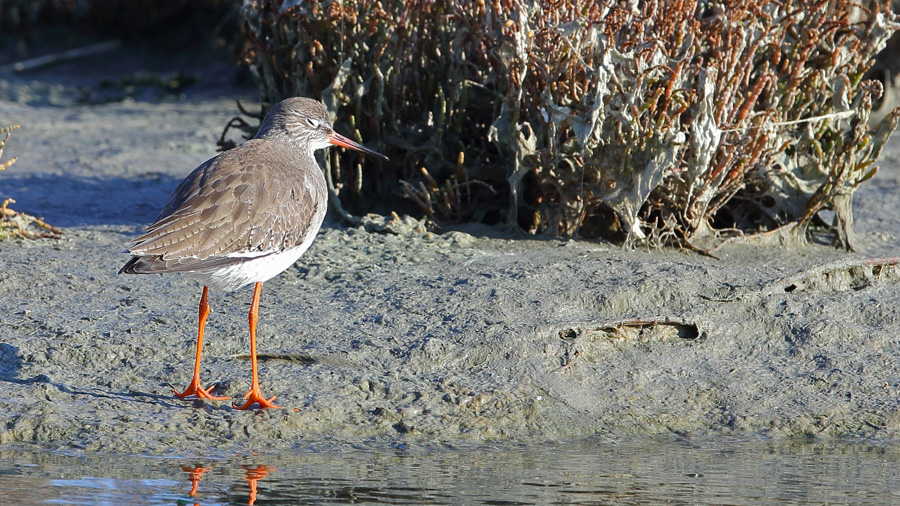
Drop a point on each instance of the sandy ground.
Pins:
(462, 337)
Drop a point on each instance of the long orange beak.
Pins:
(340, 140)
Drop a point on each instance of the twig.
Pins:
(842, 114)
(69, 54)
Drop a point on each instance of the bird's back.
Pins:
(259, 198)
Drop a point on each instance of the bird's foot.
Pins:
(254, 396)
(202, 393)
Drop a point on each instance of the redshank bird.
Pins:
(245, 216)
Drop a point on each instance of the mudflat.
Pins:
(384, 332)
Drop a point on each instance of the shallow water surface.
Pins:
(596, 471)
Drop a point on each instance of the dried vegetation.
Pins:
(13, 223)
(653, 121)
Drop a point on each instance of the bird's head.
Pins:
(304, 123)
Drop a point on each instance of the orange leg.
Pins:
(255, 396)
(194, 388)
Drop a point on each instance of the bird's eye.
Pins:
(313, 123)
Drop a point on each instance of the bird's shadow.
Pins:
(65, 201)
(11, 364)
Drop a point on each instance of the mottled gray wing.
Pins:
(253, 199)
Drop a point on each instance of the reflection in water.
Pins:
(252, 475)
(645, 471)
(195, 472)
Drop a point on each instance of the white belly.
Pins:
(254, 268)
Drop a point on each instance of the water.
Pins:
(598, 471)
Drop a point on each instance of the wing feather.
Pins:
(259, 197)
